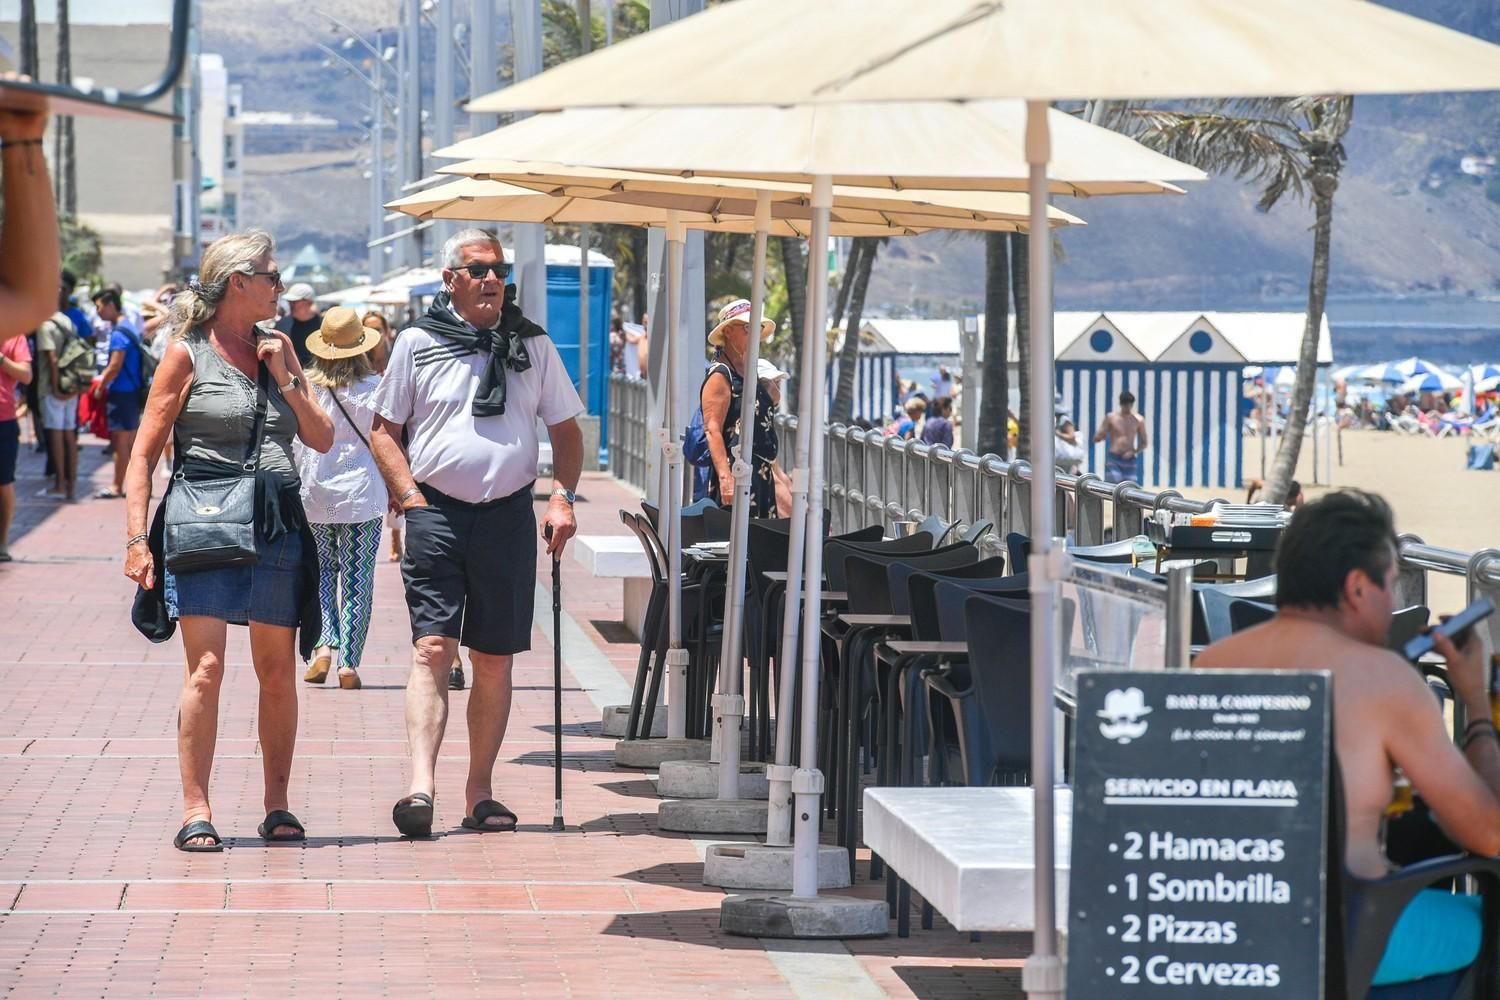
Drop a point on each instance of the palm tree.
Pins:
(861, 263)
(794, 267)
(1294, 145)
(1020, 291)
(995, 376)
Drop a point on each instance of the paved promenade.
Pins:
(94, 900)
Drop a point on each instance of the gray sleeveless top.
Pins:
(218, 417)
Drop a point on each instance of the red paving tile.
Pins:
(614, 911)
(380, 896)
(481, 897)
(278, 896)
(174, 896)
(70, 896)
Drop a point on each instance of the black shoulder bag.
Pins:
(210, 523)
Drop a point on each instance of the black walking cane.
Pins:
(557, 734)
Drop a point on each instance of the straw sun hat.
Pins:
(738, 311)
(342, 335)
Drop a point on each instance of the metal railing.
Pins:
(629, 437)
(875, 479)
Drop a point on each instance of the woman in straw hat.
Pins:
(343, 492)
(720, 397)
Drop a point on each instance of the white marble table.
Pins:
(968, 851)
(619, 556)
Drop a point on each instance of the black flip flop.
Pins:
(198, 828)
(413, 815)
(280, 817)
(489, 809)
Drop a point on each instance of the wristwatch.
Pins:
(295, 383)
(566, 494)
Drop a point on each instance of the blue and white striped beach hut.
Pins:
(1186, 371)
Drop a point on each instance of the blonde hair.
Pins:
(226, 256)
(336, 374)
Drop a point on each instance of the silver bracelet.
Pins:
(408, 495)
(142, 537)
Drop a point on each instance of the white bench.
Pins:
(967, 851)
(621, 557)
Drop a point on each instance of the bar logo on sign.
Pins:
(1124, 714)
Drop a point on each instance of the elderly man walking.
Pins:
(468, 384)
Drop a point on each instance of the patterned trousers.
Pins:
(346, 584)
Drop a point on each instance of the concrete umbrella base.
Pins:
(617, 717)
(713, 816)
(648, 755)
(759, 866)
(699, 779)
(795, 917)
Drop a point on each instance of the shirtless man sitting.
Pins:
(1126, 433)
(1336, 567)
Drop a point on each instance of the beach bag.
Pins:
(1481, 457)
(75, 366)
(210, 523)
(695, 439)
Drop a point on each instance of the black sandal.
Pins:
(486, 810)
(413, 815)
(280, 817)
(198, 828)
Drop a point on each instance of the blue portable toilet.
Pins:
(563, 315)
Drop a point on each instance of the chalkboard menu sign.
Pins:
(1199, 835)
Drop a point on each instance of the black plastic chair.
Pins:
(852, 671)
(990, 697)
(977, 530)
(835, 550)
(1211, 605)
(1363, 912)
(651, 666)
(1018, 548)
(1245, 614)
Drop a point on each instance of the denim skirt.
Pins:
(270, 592)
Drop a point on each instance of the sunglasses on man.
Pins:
(499, 269)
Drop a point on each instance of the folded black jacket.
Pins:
(278, 511)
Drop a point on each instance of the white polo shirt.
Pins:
(429, 387)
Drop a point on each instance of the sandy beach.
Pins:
(1424, 480)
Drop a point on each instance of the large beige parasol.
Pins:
(590, 199)
(972, 147)
(789, 52)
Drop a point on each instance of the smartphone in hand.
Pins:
(1455, 628)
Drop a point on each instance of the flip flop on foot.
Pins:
(413, 815)
(196, 830)
(277, 818)
(487, 810)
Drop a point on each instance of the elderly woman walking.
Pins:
(343, 492)
(230, 543)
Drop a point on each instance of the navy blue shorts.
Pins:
(269, 592)
(10, 448)
(124, 411)
(470, 571)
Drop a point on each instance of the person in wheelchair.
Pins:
(1336, 570)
